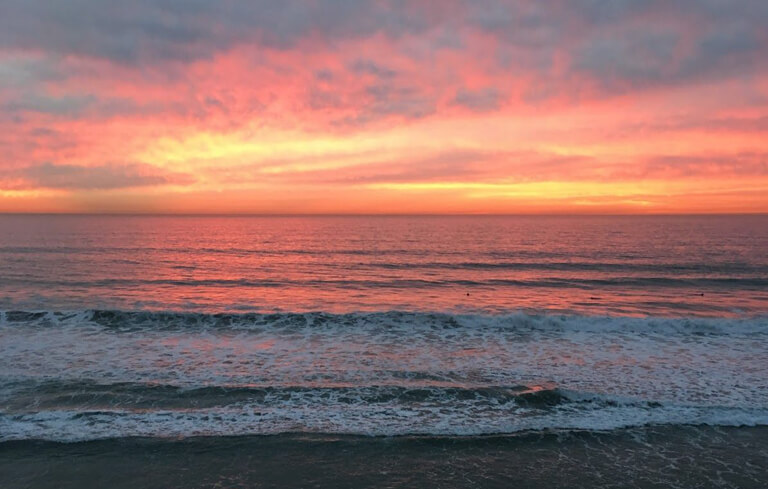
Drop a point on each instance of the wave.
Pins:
(87, 374)
(140, 397)
(368, 411)
(457, 260)
(687, 283)
(392, 320)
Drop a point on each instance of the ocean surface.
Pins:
(477, 351)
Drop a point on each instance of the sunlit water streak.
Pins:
(657, 266)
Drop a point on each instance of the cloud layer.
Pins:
(353, 101)
(103, 177)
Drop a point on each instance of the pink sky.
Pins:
(624, 106)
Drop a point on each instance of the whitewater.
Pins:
(91, 374)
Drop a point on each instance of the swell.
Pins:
(538, 260)
(82, 410)
(92, 374)
(747, 283)
(389, 320)
(573, 411)
(85, 395)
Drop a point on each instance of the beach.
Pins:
(638, 458)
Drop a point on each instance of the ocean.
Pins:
(386, 351)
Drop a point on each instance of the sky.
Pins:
(363, 106)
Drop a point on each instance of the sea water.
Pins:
(489, 339)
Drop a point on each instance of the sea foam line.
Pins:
(391, 319)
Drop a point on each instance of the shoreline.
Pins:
(654, 456)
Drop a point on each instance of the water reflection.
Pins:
(707, 265)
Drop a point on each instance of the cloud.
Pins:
(68, 105)
(452, 165)
(563, 49)
(379, 91)
(31, 99)
(649, 56)
(479, 100)
(324, 75)
(160, 31)
(675, 167)
(187, 30)
(409, 101)
(21, 71)
(377, 102)
(471, 165)
(742, 125)
(368, 67)
(104, 177)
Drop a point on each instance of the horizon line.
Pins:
(404, 214)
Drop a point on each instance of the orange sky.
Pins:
(325, 106)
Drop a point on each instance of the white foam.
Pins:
(71, 426)
(698, 371)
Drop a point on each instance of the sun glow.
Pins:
(350, 121)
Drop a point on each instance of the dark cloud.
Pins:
(324, 75)
(69, 106)
(21, 71)
(368, 67)
(37, 100)
(191, 29)
(664, 55)
(387, 99)
(479, 100)
(641, 56)
(617, 45)
(375, 102)
(73, 177)
(185, 30)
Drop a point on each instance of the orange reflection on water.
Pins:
(603, 265)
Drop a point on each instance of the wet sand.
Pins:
(659, 457)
